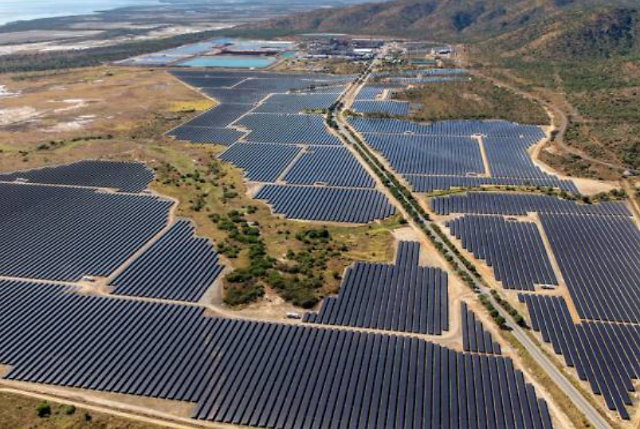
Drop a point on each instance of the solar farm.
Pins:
(588, 299)
(109, 291)
(571, 266)
(458, 154)
(275, 135)
(147, 334)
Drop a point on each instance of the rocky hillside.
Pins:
(611, 25)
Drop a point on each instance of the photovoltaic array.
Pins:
(515, 204)
(403, 297)
(597, 249)
(474, 337)
(275, 141)
(261, 162)
(426, 155)
(210, 135)
(391, 108)
(256, 373)
(599, 257)
(333, 166)
(178, 266)
(450, 155)
(321, 203)
(514, 249)
(607, 355)
(65, 233)
(240, 93)
(288, 129)
(123, 176)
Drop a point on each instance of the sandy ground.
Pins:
(585, 186)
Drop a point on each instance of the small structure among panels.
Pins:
(403, 297)
(514, 249)
(178, 266)
(474, 337)
(123, 176)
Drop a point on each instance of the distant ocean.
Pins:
(23, 10)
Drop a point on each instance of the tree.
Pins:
(43, 409)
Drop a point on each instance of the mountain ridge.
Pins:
(571, 26)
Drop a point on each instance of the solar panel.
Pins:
(63, 233)
(123, 176)
(178, 266)
(327, 204)
(403, 297)
(609, 370)
(513, 249)
(334, 166)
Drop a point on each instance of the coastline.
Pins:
(73, 9)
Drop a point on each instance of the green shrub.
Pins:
(43, 409)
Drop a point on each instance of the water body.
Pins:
(24, 10)
(230, 61)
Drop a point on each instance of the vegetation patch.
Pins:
(472, 99)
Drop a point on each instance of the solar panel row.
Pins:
(234, 95)
(437, 183)
(64, 233)
(220, 116)
(295, 103)
(599, 257)
(304, 378)
(124, 176)
(443, 163)
(218, 81)
(513, 204)
(327, 204)
(288, 129)
(261, 162)
(334, 166)
(508, 157)
(370, 92)
(393, 108)
(255, 373)
(454, 156)
(209, 135)
(609, 369)
(178, 266)
(464, 128)
(403, 297)
(425, 79)
(474, 337)
(514, 249)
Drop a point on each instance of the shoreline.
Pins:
(99, 9)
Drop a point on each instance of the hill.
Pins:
(446, 20)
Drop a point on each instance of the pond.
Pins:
(230, 61)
